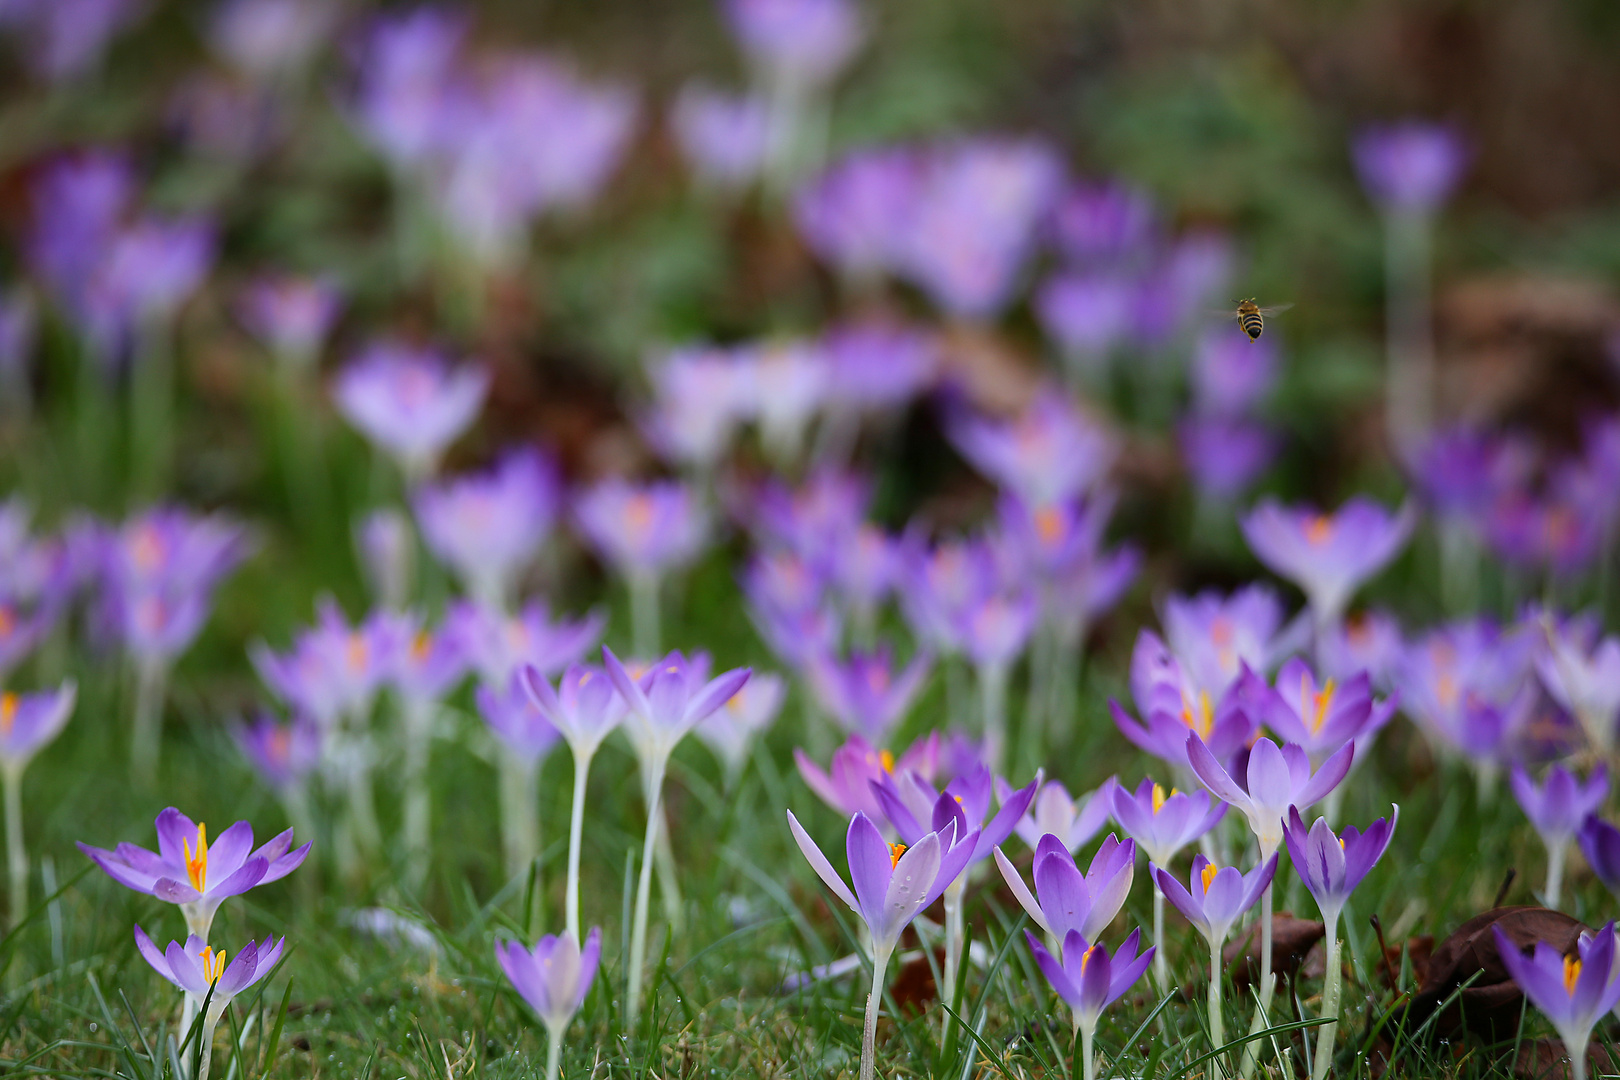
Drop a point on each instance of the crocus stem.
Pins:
(210, 1022)
(874, 1000)
(1577, 1062)
(953, 944)
(576, 830)
(1268, 985)
(638, 931)
(554, 1054)
(152, 411)
(644, 614)
(669, 886)
(1088, 1056)
(418, 800)
(1556, 853)
(993, 698)
(16, 857)
(1331, 981)
(150, 682)
(1410, 387)
(1217, 1027)
(519, 802)
(1161, 967)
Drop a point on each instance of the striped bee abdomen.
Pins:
(1252, 324)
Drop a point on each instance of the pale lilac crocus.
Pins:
(1088, 315)
(1089, 980)
(1410, 167)
(867, 694)
(1556, 808)
(198, 876)
(1468, 685)
(878, 364)
(1161, 826)
(1213, 900)
(285, 757)
(725, 138)
(1331, 867)
(1322, 716)
(498, 645)
(489, 527)
(1049, 452)
(270, 39)
(553, 977)
(645, 532)
(1586, 681)
(1574, 992)
(846, 785)
(1072, 819)
(524, 738)
(854, 216)
(202, 972)
(702, 395)
(1213, 637)
(893, 884)
(800, 42)
(1369, 641)
(1224, 455)
(1066, 901)
(662, 707)
(410, 403)
(584, 708)
(28, 723)
(290, 316)
(730, 731)
(1328, 556)
(787, 383)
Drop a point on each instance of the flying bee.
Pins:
(1251, 316)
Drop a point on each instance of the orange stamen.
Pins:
(1048, 524)
(8, 712)
(197, 862)
(1572, 974)
(1204, 720)
(8, 621)
(357, 653)
(895, 851)
(1085, 958)
(1209, 876)
(1319, 529)
(1158, 797)
(1315, 705)
(213, 964)
(886, 759)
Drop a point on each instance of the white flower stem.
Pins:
(554, 1054)
(874, 1001)
(1217, 1026)
(576, 830)
(16, 856)
(1088, 1054)
(151, 680)
(1161, 967)
(993, 699)
(418, 798)
(210, 1022)
(1251, 1051)
(1410, 387)
(519, 814)
(1331, 982)
(638, 931)
(644, 614)
(1556, 853)
(953, 898)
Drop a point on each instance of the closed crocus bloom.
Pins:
(648, 529)
(291, 316)
(1050, 452)
(1089, 980)
(1557, 808)
(866, 693)
(730, 730)
(489, 527)
(29, 722)
(1073, 820)
(1410, 167)
(1600, 843)
(846, 786)
(1212, 637)
(188, 871)
(269, 38)
(723, 137)
(1065, 901)
(1276, 780)
(410, 403)
(1328, 556)
(1584, 681)
(553, 977)
(1573, 992)
(1163, 824)
(802, 43)
(385, 544)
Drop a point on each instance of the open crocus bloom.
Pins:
(1333, 865)
(554, 976)
(1162, 825)
(1574, 992)
(1276, 780)
(29, 721)
(585, 707)
(867, 694)
(669, 700)
(846, 786)
(1328, 556)
(1321, 717)
(1071, 820)
(198, 969)
(1215, 897)
(410, 403)
(1087, 978)
(893, 882)
(646, 529)
(1559, 805)
(1066, 902)
(909, 801)
(489, 527)
(187, 871)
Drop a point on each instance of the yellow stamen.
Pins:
(1204, 720)
(1341, 842)
(1572, 973)
(8, 712)
(895, 851)
(1319, 529)
(357, 653)
(886, 759)
(213, 964)
(638, 513)
(1315, 705)
(1048, 524)
(1085, 958)
(1209, 876)
(197, 862)
(421, 645)
(1158, 797)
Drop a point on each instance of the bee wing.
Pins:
(1277, 309)
(1221, 312)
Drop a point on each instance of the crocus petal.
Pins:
(1020, 891)
(1052, 970)
(909, 887)
(1271, 783)
(229, 851)
(589, 957)
(818, 862)
(174, 831)
(626, 686)
(1211, 774)
(175, 892)
(154, 956)
(186, 968)
(1180, 899)
(249, 875)
(719, 691)
(239, 973)
(1328, 777)
(1062, 892)
(871, 863)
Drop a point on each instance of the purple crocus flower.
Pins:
(995, 629)
(1073, 820)
(1051, 452)
(28, 723)
(410, 403)
(1321, 717)
(1333, 865)
(1466, 685)
(1410, 167)
(1088, 315)
(1163, 732)
(1557, 808)
(875, 364)
(703, 394)
(800, 43)
(1585, 680)
(723, 137)
(642, 529)
(65, 39)
(283, 755)
(730, 730)
(151, 269)
(203, 974)
(856, 766)
(1600, 843)
(290, 316)
(334, 669)
(79, 205)
(866, 694)
(1368, 641)
(265, 39)
(585, 707)
(553, 977)
(1089, 980)
(1230, 375)
(1161, 826)
(855, 215)
(521, 727)
(1276, 779)
(914, 808)
(499, 645)
(489, 527)
(188, 871)
(1213, 637)
(1328, 556)
(1574, 992)
(1225, 455)
(1215, 897)
(814, 518)
(1460, 472)
(410, 66)
(427, 664)
(664, 704)
(1065, 901)
(1104, 222)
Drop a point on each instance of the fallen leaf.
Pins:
(914, 988)
(1291, 941)
(1546, 1059)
